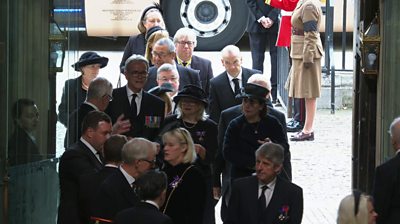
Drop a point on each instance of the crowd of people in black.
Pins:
(172, 142)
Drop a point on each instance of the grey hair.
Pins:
(166, 42)
(395, 130)
(271, 151)
(99, 87)
(230, 49)
(136, 58)
(185, 32)
(137, 148)
(166, 67)
(261, 80)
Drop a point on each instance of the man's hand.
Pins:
(200, 150)
(121, 126)
(264, 141)
(267, 23)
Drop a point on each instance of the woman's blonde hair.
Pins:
(347, 209)
(154, 37)
(183, 137)
(201, 114)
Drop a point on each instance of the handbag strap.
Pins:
(173, 189)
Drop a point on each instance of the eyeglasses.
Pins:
(138, 73)
(189, 43)
(173, 79)
(151, 162)
(110, 98)
(159, 54)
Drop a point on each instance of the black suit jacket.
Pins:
(74, 129)
(387, 191)
(135, 45)
(220, 165)
(89, 184)
(115, 194)
(142, 213)
(258, 9)
(241, 142)
(21, 148)
(186, 76)
(72, 97)
(205, 71)
(151, 115)
(221, 94)
(242, 206)
(76, 161)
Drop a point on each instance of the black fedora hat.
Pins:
(164, 88)
(254, 91)
(89, 58)
(193, 92)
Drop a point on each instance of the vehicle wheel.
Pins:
(217, 23)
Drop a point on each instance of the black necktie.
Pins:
(100, 157)
(237, 86)
(184, 64)
(133, 105)
(262, 201)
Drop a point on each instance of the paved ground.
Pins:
(322, 167)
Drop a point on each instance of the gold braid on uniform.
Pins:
(267, 2)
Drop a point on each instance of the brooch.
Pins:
(201, 135)
(284, 216)
(175, 182)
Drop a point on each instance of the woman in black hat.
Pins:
(151, 16)
(74, 91)
(191, 104)
(162, 92)
(250, 130)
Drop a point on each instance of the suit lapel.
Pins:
(92, 158)
(275, 203)
(227, 85)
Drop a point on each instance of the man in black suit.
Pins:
(262, 27)
(164, 52)
(221, 166)
(145, 111)
(85, 156)
(386, 190)
(266, 198)
(117, 192)
(22, 147)
(98, 96)
(90, 183)
(225, 86)
(151, 188)
(185, 42)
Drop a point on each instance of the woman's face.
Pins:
(153, 18)
(91, 71)
(371, 213)
(189, 106)
(251, 108)
(174, 150)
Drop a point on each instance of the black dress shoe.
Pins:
(295, 126)
(301, 136)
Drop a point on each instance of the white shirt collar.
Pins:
(153, 203)
(397, 152)
(128, 177)
(130, 92)
(271, 185)
(91, 104)
(239, 76)
(94, 151)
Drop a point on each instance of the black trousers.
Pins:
(299, 110)
(258, 45)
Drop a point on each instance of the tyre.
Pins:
(217, 23)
